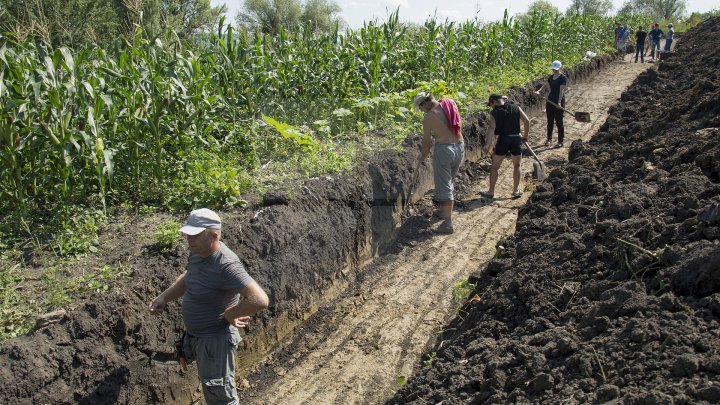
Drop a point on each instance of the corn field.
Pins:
(178, 125)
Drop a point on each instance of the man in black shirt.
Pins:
(640, 37)
(505, 123)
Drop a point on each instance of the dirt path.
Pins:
(355, 350)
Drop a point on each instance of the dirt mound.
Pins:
(610, 288)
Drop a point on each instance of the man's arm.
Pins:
(427, 139)
(175, 291)
(254, 300)
(489, 136)
(526, 125)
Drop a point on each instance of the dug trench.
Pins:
(609, 290)
(305, 247)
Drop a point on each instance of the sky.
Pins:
(355, 12)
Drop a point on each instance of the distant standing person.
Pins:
(556, 82)
(655, 34)
(212, 310)
(669, 37)
(505, 124)
(618, 35)
(640, 37)
(442, 120)
(624, 41)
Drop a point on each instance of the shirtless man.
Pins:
(442, 120)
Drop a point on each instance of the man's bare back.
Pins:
(436, 120)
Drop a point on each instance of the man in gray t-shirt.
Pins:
(212, 309)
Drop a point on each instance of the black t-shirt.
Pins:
(507, 119)
(640, 36)
(555, 87)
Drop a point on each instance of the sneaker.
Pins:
(487, 195)
(446, 227)
(559, 145)
(516, 195)
(548, 142)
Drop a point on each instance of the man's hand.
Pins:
(485, 150)
(239, 322)
(157, 305)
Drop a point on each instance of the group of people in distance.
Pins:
(645, 41)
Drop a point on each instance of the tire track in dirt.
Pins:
(355, 348)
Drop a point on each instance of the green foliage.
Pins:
(164, 125)
(430, 359)
(167, 236)
(322, 15)
(655, 9)
(80, 23)
(13, 313)
(292, 133)
(276, 16)
(462, 290)
(590, 7)
(22, 300)
(401, 379)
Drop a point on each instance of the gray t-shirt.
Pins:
(211, 286)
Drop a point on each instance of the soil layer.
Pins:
(610, 287)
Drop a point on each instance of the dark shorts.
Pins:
(509, 143)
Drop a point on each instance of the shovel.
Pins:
(411, 190)
(580, 116)
(539, 169)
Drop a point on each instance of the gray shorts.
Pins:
(447, 159)
(215, 358)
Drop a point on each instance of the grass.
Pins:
(25, 297)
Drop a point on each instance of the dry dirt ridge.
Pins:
(610, 288)
(304, 246)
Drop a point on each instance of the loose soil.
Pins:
(377, 278)
(609, 290)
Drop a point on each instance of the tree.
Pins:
(322, 15)
(545, 6)
(188, 17)
(268, 16)
(590, 7)
(659, 9)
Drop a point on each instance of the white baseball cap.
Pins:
(201, 220)
(556, 65)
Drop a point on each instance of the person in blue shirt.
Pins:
(655, 34)
(626, 35)
(669, 37)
